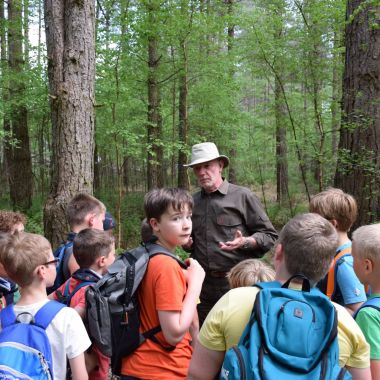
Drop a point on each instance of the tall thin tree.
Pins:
(20, 165)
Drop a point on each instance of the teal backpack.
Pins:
(291, 334)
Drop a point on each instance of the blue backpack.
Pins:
(24, 347)
(372, 302)
(291, 334)
(63, 253)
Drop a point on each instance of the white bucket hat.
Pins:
(205, 152)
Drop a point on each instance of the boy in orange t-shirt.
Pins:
(167, 295)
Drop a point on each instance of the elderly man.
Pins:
(229, 224)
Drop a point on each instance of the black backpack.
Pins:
(112, 315)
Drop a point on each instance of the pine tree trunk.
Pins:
(20, 165)
(358, 171)
(70, 30)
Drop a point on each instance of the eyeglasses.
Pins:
(55, 262)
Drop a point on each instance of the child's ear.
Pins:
(90, 220)
(101, 261)
(41, 271)
(368, 265)
(334, 223)
(278, 257)
(154, 224)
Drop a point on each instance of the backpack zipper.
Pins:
(25, 348)
(285, 303)
(241, 362)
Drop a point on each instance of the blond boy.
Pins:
(341, 284)
(366, 254)
(249, 272)
(30, 263)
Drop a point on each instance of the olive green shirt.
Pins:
(217, 216)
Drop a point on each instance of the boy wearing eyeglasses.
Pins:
(29, 261)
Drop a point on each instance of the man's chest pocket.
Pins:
(227, 225)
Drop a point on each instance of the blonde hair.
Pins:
(334, 204)
(367, 242)
(248, 272)
(22, 254)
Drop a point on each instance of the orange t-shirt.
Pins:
(162, 288)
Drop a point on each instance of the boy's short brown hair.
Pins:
(367, 242)
(80, 206)
(335, 204)
(8, 220)
(90, 244)
(22, 254)
(249, 272)
(146, 231)
(309, 242)
(157, 201)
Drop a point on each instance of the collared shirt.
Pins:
(217, 216)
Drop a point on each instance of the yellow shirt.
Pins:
(226, 321)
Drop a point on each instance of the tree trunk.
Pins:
(281, 147)
(20, 166)
(183, 121)
(336, 96)
(7, 152)
(230, 42)
(155, 152)
(70, 28)
(359, 155)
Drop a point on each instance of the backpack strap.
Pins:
(331, 275)
(7, 316)
(85, 276)
(154, 249)
(67, 253)
(72, 294)
(47, 312)
(42, 318)
(372, 302)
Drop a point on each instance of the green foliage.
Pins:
(231, 95)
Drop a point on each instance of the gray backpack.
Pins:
(112, 315)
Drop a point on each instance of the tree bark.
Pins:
(20, 165)
(7, 151)
(359, 155)
(70, 30)
(183, 121)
